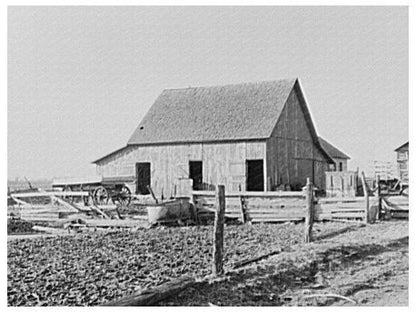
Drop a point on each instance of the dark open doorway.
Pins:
(143, 178)
(195, 173)
(255, 175)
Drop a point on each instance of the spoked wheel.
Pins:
(124, 196)
(68, 198)
(100, 196)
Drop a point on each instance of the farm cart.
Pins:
(100, 190)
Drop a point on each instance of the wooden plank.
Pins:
(276, 210)
(39, 218)
(251, 194)
(20, 202)
(64, 203)
(297, 215)
(40, 211)
(48, 194)
(348, 210)
(348, 215)
(276, 219)
(114, 223)
(280, 202)
(341, 200)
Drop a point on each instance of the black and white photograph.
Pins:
(207, 155)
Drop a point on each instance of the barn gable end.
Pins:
(292, 150)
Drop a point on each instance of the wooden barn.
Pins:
(249, 137)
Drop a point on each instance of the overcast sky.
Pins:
(80, 79)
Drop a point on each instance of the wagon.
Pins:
(100, 189)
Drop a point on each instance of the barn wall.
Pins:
(291, 154)
(223, 163)
(337, 164)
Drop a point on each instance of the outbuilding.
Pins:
(403, 163)
(339, 157)
(248, 137)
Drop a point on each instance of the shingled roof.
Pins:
(246, 111)
(332, 150)
(231, 112)
(402, 146)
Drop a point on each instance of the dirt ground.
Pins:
(367, 266)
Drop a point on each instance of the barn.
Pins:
(248, 137)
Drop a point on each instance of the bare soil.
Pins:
(369, 266)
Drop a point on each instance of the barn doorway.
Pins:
(142, 178)
(255, 175)
(195, 173)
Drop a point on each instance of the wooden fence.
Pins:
(284, 206)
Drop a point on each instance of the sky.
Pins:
(80, 79)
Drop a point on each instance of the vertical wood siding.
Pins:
(291, 154)
(223, 163)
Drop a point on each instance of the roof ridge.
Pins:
(234, 84)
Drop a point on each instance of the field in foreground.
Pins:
(95, 268)
(367, 266)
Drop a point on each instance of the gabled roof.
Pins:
(247, 111)
(402, 146)
(231, 112)
(332, 150)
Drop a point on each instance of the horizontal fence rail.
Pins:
(284, 206)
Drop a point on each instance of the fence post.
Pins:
(309, 211)
(366, 199)
(217, 267)
(378, 197)
(243, 209)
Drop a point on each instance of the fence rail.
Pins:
(284, 206)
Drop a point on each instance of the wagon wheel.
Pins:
(68, 198)
(100, 196)
(124, 196)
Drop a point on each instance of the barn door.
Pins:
(142, 178)
(195, 173)
(255, 175)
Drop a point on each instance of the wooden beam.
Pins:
(243, 208)
(46, 194)
(273, 194)
(152, 296)
(153, 194)
(367, 201)
(378, 196)
(309, 211)
(217, 265)
(99, 211)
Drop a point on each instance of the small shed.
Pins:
(340, 158)
(403, 162)
(248, 137)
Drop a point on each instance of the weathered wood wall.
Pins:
(341, 184)
(338, 166)
(292, 155)
(223, 163)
